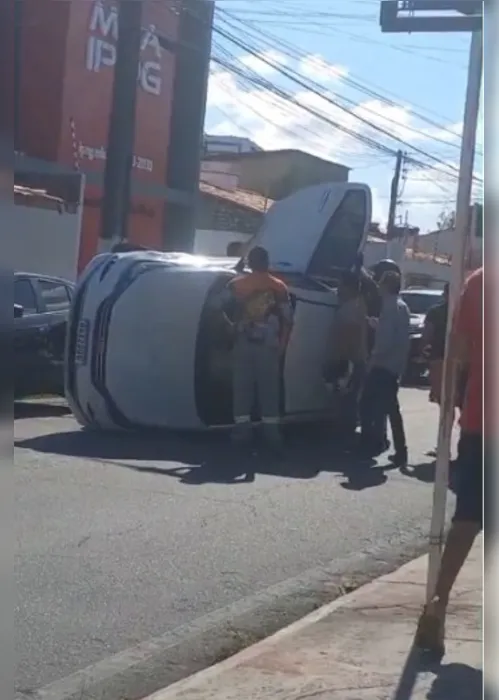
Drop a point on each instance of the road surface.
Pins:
(123, 539)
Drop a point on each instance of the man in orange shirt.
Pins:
(258, 308)
(466, 349)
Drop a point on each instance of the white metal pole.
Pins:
(471, 111)
(79, 219)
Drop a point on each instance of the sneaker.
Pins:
(430, 633)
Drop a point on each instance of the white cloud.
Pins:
(317, 68)
(261, 64)
(379, 207)
(274, 123)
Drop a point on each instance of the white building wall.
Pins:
(220, 174)
(443, 242)
(41, 241)
(208, 242)
(229, 144)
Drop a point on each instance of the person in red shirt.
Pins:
(466, 349)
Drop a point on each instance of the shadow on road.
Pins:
(200, 459)
(123, 446)
(425, 472)
(452, 681)
(457, 682)
(39, 409)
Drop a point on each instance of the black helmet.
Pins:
(382, 266)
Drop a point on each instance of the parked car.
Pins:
(41, 307)
(419, 301)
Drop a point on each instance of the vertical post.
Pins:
(471, 110)
(121, 134)
(394, 193)
(401, 254)
(18, 27)
(79, 217)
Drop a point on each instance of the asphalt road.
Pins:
(123, 539)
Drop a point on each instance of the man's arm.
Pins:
(385, 336)
(226, 305)
(347, 331)
(428, 329)
(286, 314)
(459, 342)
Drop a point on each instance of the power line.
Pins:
(293, 76)
(355, 104)
(266, 85)
(294, 52)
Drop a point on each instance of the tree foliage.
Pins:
(446, 220)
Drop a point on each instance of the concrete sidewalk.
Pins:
(358, 648)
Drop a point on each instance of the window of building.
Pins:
(342, 236)
(24, 295)
(55, 295)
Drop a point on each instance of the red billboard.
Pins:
(69, 53)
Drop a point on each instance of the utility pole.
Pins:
(461, 235)
(394, 195)
(121, 134)
(468, 17)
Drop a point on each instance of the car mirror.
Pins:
(18, 311)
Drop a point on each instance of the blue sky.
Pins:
(424, 75)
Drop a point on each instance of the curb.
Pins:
(132, 672)
(246, 655)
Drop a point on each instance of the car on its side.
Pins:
(419, 300)
(41, 308)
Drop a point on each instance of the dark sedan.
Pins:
(41, 307)
(419, 301)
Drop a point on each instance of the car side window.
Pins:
(24, 295)
(54, 294)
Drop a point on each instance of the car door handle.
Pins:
(43, 330)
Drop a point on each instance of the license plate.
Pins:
(82, 339)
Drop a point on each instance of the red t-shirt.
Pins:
(469, 328)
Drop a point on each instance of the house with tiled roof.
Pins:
(226, 216)
(237, 188)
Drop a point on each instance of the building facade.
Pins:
(225, 217)
(64, 71)
(229, 144)
(272, 174)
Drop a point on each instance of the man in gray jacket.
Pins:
(386, 365)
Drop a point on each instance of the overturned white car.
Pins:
(145, 347)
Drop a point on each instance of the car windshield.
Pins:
(420, 303)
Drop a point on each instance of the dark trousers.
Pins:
(470, 472)
(349, 414)
(380, 402)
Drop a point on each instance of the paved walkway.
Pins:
(358, 648)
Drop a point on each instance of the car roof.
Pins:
(51, 278)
